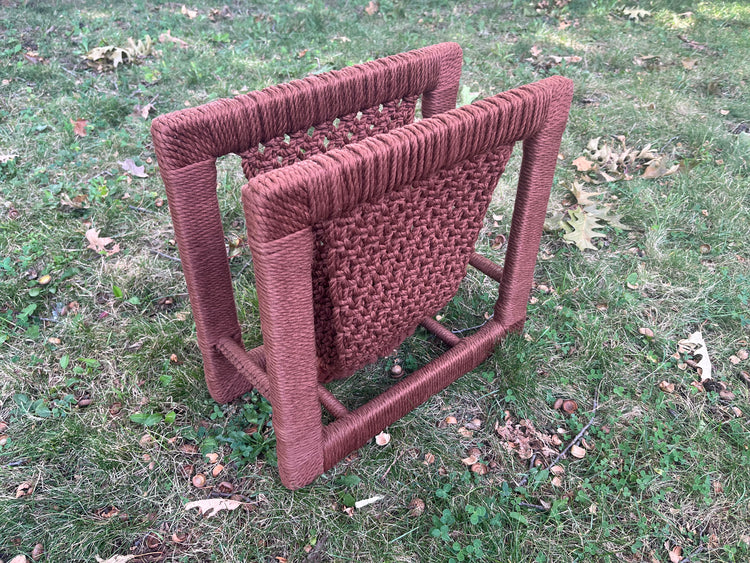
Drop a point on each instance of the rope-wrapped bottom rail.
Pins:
(252, 365)
(440, 331)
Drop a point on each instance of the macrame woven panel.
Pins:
(323, 137)
(382, 269)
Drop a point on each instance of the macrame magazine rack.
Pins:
(362, 223)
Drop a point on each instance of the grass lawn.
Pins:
(105, 419)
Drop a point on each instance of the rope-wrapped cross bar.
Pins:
(362, 224)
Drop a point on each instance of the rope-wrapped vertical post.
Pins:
(540, 152)
(283, 278)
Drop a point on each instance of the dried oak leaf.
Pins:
(658, 168)
(129, 166)
(583, 164)
(580, 229)
(212, 506)
(583, 197)
(523, 439)
(98, 244)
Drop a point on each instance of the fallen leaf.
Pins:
(647, 332)
(143, 111)
(583, 164)
(78, 202)
(191, 14)
(129, 166)
(635, 13)
(657, 168)
(605, 214)
(212, 506)
(382, 439)
(109, 56)
(580, 229)
(675, 554)
(372, 8)
(696, 346)
(79, 127)
(168, 38)
(98, 244)
(583, 197)
(115, 559)
(429, 458)
(717, 487)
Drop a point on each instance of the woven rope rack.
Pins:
(362, 224)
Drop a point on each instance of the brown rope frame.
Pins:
(284, 206)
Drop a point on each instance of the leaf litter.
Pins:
(603, 161)
(109, 57)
